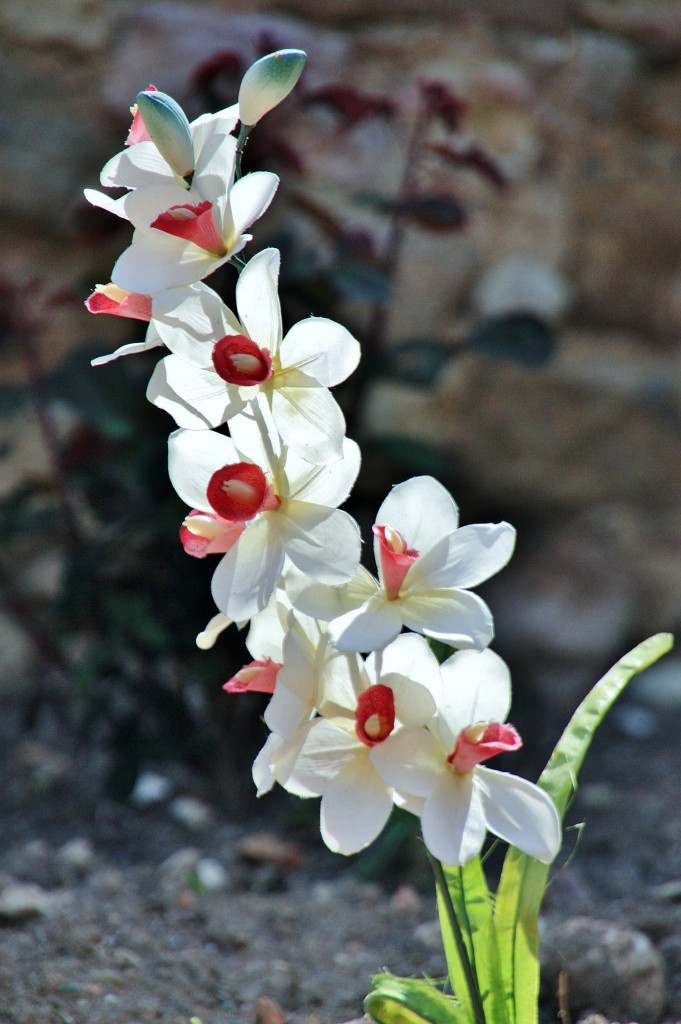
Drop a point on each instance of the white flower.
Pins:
(332, 756)
(288, 508)
(183, 236)
(459, 800)
(221, 363)
(141, 165)
(426, 565)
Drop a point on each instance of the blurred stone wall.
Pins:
(581, 104)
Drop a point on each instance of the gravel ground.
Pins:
(119, 913)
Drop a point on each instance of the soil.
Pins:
(130, 926)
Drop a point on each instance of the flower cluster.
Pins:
(361, 713)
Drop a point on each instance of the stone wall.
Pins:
(581, 105)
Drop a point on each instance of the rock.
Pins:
(522, 284)
(211, 875)
(428, 935)
(190, 811)
(76, 856)
(267, 848)
(19, 901)
(611, 969)
(81, 25)
(603, 69)
(150, 788)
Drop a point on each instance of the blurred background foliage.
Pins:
(481, 357)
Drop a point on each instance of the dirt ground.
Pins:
(133, 915)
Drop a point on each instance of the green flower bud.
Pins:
(268, 82)
(169, 129)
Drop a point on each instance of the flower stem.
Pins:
(242, 139)
(469, 974)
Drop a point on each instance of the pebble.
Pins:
(77, 854)
(20, 901)
(191, 811)
(211, 874)
(429, 935)
(611, 968)
(150, 788)
(267, 848)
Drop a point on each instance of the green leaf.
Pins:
(519, 338)
(473, 906)
(411, 1001)
(418, 361)
(358, 280)
(523, 879)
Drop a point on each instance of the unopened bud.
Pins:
(268, 82)
(169, 129)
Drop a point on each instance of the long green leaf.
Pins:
(473, 906)
(395, 1000)
(523, 879)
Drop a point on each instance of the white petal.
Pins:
(195, 398)
(421, 510)
(286, 711)
(214, 166)
(193, 457)
(257, 299)
(322, 542)
(519, 812)
(128, 350)
(373, 625)
(150, 265)
(324, 485)
(310, 422)
(137, 166)
(328, 748)
(207, 637)
(108, 203)
(453, 822)
(326, 602)
(476, 688)
(246, 577)
(266, 634)
(458, 617)
(355, 807)
(410, 657)
(322, 349)
(191, 320)
(144, 205)
(410, 760)
(249, 197)
(466, 558)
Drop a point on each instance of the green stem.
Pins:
(242, 139)
(471, 980)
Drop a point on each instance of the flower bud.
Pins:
(268, 82)
(169, 129)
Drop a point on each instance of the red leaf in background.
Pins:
(444, 104)
(222, 62)
(351, 104)
(471, 154)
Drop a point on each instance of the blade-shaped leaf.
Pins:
(523, 879)
(473, 905)
(395, 1000)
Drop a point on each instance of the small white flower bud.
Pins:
(268, 82)
(169, 129)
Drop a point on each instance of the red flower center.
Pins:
(194, 223)
(395, 558)
(375, 715)
(239, 491)
(479, 742)
(238, 360)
